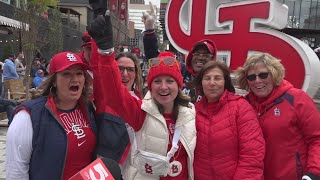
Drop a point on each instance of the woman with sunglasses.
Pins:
(230, 143)
(288, 117)
(164, 121)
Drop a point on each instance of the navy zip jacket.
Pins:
(49, 141)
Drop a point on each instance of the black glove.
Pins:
(97, 7)
(101, 31)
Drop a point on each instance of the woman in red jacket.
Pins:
(288, 117)
(230, 143)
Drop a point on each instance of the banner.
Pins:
(113, 6)
(123, 9)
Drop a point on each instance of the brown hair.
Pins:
(138, 83)
(211, 65)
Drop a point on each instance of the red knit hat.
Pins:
(64, 60)
(163, 69)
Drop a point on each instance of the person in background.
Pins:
(288, 117)
(21, 70)
(201, 53)
(86, 48)
(131, 74)
(9, 69)
(38, 79)
(53, 136)
(230, 142)
(36, 66)
(113, 141)
(164, 121)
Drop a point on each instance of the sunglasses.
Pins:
(169, 61)
(130, 70)
(200, 55)
(253, 77)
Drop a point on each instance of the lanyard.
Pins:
(175, 140)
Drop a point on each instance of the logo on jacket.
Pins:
(276, 111)
(148, 168)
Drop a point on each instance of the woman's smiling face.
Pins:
(128, 74)
(164, 90)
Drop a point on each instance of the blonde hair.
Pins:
(273, 65)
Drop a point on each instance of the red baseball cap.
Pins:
(64, 60)
(86, 39)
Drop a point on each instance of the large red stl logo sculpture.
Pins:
(239, 28)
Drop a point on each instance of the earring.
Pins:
(51, 90)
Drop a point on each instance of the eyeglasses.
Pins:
(130, 70)
(169, 61)
(253, 77)
(200, 55)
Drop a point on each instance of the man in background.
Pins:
(21, 70)
(9, 69)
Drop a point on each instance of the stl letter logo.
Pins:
(241, 28)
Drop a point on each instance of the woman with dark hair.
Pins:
(131, 74)
(230, 143)
(53, 136)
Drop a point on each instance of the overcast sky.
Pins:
(155, 2)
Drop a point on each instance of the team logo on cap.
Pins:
(71, 57)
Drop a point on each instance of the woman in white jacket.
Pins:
(164, 121)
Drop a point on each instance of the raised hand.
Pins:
(101, 31)
(148, 18)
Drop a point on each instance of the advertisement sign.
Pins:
(244, 27)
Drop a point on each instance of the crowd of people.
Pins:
(188, 124)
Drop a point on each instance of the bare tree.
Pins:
(35, 30)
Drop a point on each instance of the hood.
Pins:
(211, 47)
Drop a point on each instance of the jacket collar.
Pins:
(225, 97)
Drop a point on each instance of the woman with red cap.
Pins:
(53, 136)
(164, 121)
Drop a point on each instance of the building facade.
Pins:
(76, 15)
(136, 1)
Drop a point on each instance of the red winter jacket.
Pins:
(291, 126)
(230, 143)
